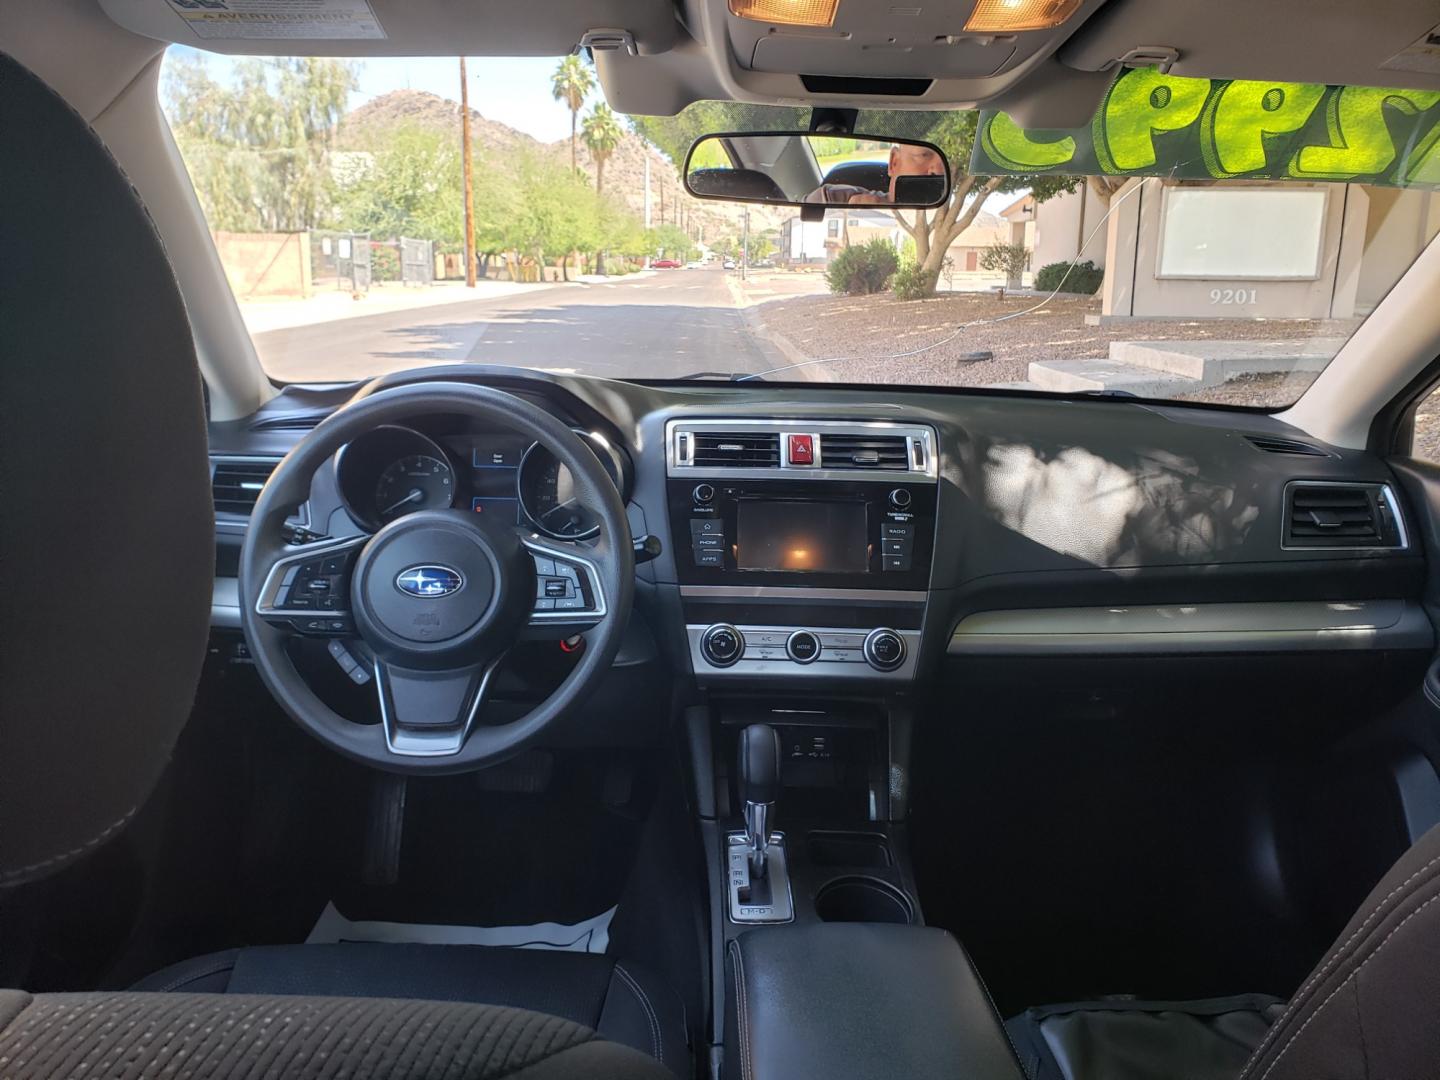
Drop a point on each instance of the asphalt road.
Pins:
(671, 324)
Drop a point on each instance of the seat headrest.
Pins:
(735, 184)
(107, 535)
(870, 175)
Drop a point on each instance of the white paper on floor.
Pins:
(592, 935)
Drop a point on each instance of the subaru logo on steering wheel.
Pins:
(429, 582)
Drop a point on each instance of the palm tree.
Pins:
(572, 83)
(602, 134)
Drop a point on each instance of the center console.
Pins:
(809, 545)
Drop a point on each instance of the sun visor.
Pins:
(1153, 124)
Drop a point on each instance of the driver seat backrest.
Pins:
(870, 175)
(107, 563)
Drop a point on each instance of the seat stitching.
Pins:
(1332, 960)
(742, 1015)
(655, 1040)
(1354, 974)
(18, 872)
(188, 977)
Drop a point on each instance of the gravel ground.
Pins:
(862, 329)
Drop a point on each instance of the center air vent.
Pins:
(236, 484)
(864, 452)
(737, 449)
(1330, 515)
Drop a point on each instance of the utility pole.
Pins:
(745, 248)
(647, 203)
(469, 189)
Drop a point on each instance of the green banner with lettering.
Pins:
(1151, 124)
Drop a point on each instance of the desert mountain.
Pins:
(365, 128)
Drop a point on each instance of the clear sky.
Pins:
(513, 90)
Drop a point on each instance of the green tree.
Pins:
(572, 83)
(602, 133)
(933, 231)
(1012, 260)
(673, 135)
(257, 146)
(410, 188)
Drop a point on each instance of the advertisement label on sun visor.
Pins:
(279, 20)
(1150, 124)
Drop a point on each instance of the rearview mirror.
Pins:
(800, 168)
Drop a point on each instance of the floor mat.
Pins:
(592, 935)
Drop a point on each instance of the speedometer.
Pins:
(416, 482)
(546, 490)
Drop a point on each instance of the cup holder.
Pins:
(863, 899)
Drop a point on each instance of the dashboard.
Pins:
(394, 470)
(809, 535)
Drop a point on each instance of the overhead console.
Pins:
(810, 544)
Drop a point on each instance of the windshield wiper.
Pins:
(728, 376)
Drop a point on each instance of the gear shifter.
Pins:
(758, 769)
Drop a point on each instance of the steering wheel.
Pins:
(437, 596)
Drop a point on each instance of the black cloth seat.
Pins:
(1370, 1009)
(622, 1003)
(220, 1036)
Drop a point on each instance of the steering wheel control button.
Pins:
(803, 647)
(900, 499)
(722, 645)
(885, 649)
(703, 493)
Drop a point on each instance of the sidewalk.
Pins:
(331, 305)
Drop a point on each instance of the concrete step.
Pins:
(1210, 363)
(1078, 376)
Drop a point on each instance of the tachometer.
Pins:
(416, 482)
(547, 491)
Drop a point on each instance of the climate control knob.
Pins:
(722, 645)
(884, 649)
(802, 646)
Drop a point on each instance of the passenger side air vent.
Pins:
(736, 449)
(1292, 447)
(864, 452)
(1340, 516)
(235, 484)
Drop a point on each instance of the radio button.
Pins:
(802, 647)
(892, 546)
(897, 530)
(895, 562)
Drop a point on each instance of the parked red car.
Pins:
(666, 264)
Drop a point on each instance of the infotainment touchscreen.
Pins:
(824, 537)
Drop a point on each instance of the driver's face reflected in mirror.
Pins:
(799, 168)
(906, 160)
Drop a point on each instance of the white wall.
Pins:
(1401, 224)
(1059, 231)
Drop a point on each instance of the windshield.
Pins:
(336, 192)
